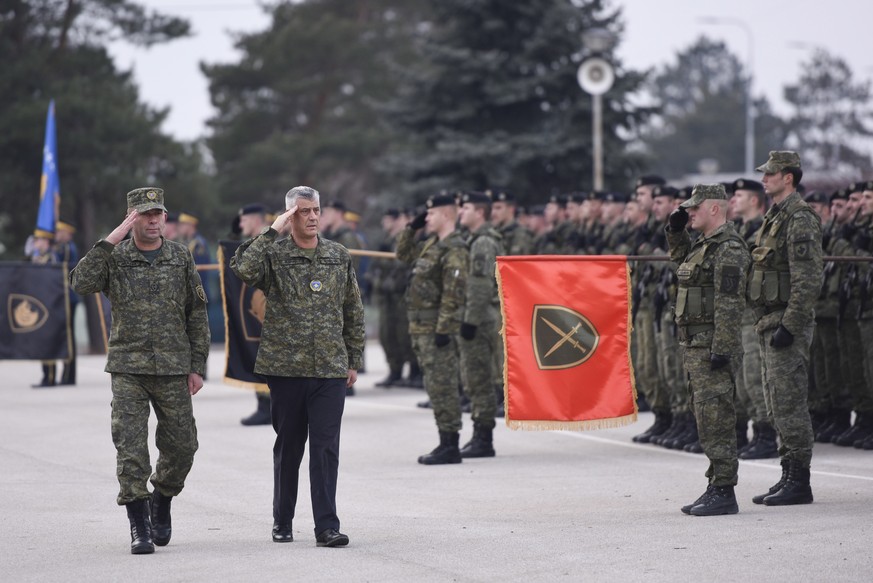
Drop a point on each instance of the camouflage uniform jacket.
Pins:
(481, 297)
(787, 266)
(388, 277)
(712, 282)
(314, 324)
(159, 324)
(435, 297)
(516, 239)
(348, 239)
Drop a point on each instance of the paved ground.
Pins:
(551, 506)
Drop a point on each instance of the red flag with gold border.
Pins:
(566, 330)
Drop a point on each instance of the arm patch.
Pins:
(730, 280)
(803, 250)
(478, 266)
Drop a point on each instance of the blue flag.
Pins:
(50, 185)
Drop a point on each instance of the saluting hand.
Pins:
(284, 220)
(121, 231)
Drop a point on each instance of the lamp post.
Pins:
(750, 113)
(595, 76)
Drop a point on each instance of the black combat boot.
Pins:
(500, 410)
(860, 430)
(391, 380)
(719, 500)
(140, 527)
(663, 420)
(795, 490)
(162, 527)
(481, 445)
(446, 452)
(839, 421)
(687, 508)
(677, 426)
(688, 437)
(261, 416)
(759, 499)
(866, 444)
(48, 376)
(743, 435)
(763, 445)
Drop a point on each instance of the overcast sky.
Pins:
(783, 32)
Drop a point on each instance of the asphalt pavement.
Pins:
(552, 506)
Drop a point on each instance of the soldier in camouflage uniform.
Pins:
(435, 298)
(157, 353)
(614, 229)
(709, 307)
(310, 352)
(748, 204)
(863, 248)
(517, 240)
(783, 286)
(550, 240)
(480, 339)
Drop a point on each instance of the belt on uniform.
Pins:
(686, 332)
(423, 315)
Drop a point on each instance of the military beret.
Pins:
(861, 186)
(253, 209)
(745, 184)
(172, 217)
(475, 198)
(65, 226)
(816, 197)
(502, 196)
(438, 200)
(664, 190)
(577, 197)
(611, 196)
(652, 180)
(145, 199)
(841, 194)
(728, 188)
(778, 161)
(391, 212)
(336, 204)
(684, 193)
(538, 210)
(558, 199)
(704, 192)
(188, 218)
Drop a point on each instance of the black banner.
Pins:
(244, 309)
(35, 318)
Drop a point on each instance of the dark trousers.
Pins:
(304, 407)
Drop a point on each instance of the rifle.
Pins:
(846, 292)
(662, 295)
(865, 292)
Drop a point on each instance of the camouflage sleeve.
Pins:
(454, 277)
(481, 288)
(805, 264)
(91, 274)
(407, 249)
(353, 321)
(250, 262)
(197, 324)
(679, 245)
(731, 267)
(349, 240)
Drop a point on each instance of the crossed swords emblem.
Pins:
(566, 337)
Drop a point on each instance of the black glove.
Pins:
(468, 331)
(441, 340)
(848, 231)
(418, 222)
(781, 337)
(678, 219)
(717, 361)
(864, 240)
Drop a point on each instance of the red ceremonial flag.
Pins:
(566, 329)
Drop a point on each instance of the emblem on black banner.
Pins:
(26, 313)
(252, 309)
(562, 338)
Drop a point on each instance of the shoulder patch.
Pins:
(201, 293)
(803, 250)
(730, 279)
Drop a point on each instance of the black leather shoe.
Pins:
(282, 533)
(259, 417)
(331, 538)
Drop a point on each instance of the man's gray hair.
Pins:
(303, 192)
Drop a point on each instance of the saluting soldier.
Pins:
(435, 299)
(157, 354)
(783, 286)
(709, 307)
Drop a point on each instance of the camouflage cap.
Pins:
(704, 192)
(146, 199)
(778, 161)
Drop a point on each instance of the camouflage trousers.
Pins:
(865, 327)
(828, 391)
(646, 361)
(786, 386)
(712, 401)
(477, 374)
(670, 371)
(750, 391)
(852, 364)
(394, 331)
(441, 375)
(176, 435)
